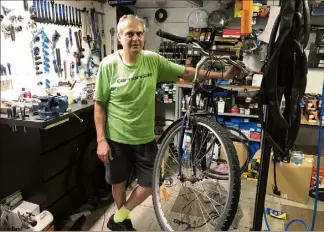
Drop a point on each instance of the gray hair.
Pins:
(129, 17)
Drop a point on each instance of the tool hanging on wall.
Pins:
(99, 37)
(112, 33)
(70, 36)
(102, 25)
(55, 38)
(78, 55)
(94, 29)
(72, 70)
(65, 72)
(104, 50)
(59, 64)
(25, 5)
(70, 16)
(87, 35)
(67, 44)
(49, 12)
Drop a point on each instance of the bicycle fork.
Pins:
(183, 129)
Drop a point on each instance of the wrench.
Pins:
(112, 33)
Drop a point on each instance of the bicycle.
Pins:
(192, 159)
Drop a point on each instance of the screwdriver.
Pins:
(9, 68)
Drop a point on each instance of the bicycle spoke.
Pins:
(201, 205)
(210, 200)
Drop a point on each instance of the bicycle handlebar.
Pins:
(180, 39)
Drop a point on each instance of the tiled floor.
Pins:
(144, 219)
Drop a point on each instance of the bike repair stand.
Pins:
(267, 145)
(262, 180)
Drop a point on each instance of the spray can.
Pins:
(44, 222)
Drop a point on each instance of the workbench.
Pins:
(53, 162)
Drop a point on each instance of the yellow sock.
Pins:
(121, 214)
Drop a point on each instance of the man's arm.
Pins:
(101, 97)
(100, 118)
(189, 74)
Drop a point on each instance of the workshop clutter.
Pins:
(260, 9)
(165, 92)
(310, 106)
(321, 174)
(174, 52)
(17, 214)
(250, 129)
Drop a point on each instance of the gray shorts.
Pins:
(128, 158)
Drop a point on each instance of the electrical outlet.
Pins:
(6, 85)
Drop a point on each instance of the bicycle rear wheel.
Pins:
(194, 188)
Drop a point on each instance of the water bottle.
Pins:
(186, 158)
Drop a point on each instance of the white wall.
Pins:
(178, 12)
(18, 52)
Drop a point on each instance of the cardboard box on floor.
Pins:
(293, 181)
(241, 153)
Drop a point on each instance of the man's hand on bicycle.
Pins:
(104, 151)
(232, 72)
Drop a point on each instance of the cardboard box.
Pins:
(293, 181)
(241, 153)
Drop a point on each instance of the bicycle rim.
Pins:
(229, 206)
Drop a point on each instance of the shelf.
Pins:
(184, 84)
(303, 121)
(238, 115)
(232, 115)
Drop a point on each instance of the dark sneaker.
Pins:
(129, 223)
(126, 225)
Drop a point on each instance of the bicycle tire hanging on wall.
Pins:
(161, 15)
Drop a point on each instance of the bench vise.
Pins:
(51, 107)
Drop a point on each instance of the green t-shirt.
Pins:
(129, 92)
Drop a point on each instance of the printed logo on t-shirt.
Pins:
(120, 81)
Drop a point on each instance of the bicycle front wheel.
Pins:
(184, 196)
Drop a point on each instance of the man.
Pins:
(124, 114)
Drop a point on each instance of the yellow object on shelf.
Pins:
(246, 18)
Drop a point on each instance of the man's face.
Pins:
(132, 36)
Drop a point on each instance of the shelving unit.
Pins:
(181, 85)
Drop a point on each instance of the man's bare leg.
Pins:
(119, 194)
(139, 194)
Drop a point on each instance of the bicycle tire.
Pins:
(234, 184)
(246, 143)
